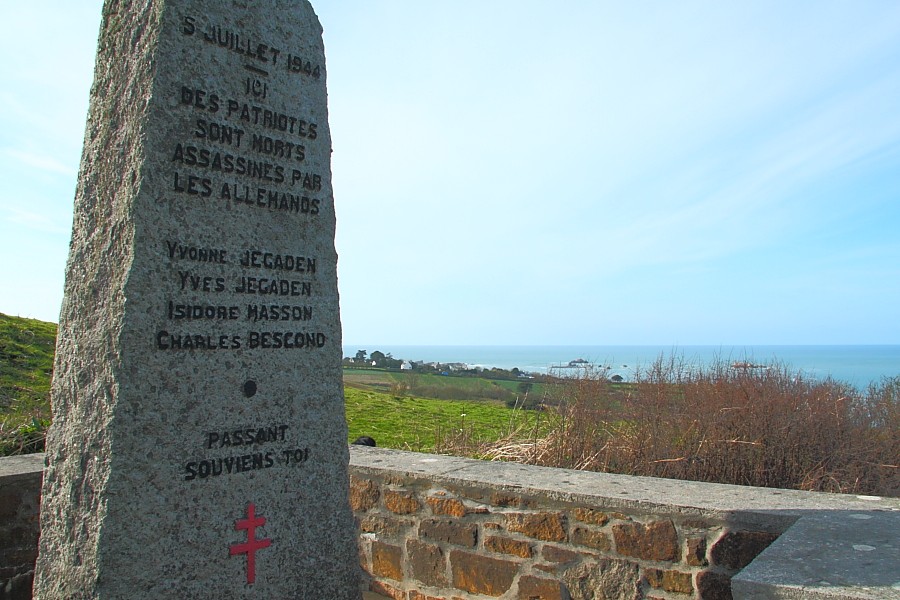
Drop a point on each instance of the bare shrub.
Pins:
(750, 426)
(399, 388)
(516, 440)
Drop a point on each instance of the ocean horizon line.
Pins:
(856, 364)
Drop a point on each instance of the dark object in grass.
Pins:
(364, 440)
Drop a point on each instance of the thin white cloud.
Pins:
(36, 161)
(31, 220)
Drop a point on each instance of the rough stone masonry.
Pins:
(199, 447)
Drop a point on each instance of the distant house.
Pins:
(406, 366)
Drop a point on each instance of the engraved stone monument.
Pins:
(199, 447)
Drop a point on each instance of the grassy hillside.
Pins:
(26, 364)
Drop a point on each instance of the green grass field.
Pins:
(427, 425)
(26, 364)
(443, 387)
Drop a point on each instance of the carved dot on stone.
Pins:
(249, 388)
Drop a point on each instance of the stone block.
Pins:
(449, 531)
(538, 588)
(591, 538)
(427, 563)
(387, 561)
(450, 507)
(670, 580)
(364, 494)
(712, 585)
(591, 516)
(385, 526)
(558, 555)
(504, 545)
(611, 579)
(478, 574)
(737, 549)
(653, 541)
(547, 526)
(695, 554)
(401, 503)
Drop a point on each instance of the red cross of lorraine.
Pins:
(252, 544)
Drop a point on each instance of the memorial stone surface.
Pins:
(199, 447)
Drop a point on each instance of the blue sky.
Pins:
(523, 172)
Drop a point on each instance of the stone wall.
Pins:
(438, 527)
(422, 539)
(20, 501)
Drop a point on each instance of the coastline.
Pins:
(857, 365)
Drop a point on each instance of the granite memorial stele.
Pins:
(199, 445)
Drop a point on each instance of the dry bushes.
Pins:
(749, 426)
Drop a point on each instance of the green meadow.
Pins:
(429, 425)
(26, 364)
(435, 413)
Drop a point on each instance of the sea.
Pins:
(856, 365)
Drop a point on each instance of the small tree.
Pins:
(360, 356)
(390, 362)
